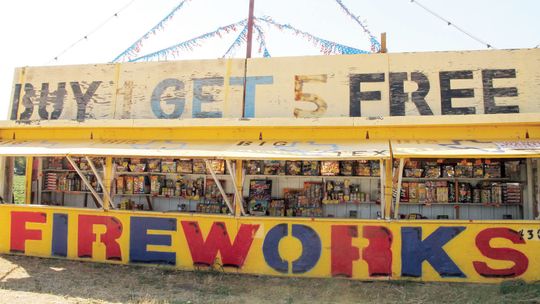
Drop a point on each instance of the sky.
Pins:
(34, 32)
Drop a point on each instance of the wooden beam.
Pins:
(107, 203)
(28, 179)
(383, 43)
(218, 184)
(249, 37)
(85, 181)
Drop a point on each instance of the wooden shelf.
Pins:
(68, 170)
(314, 176)
(454, 179)
(165, 174)
(67, 192)
(350, 203)
(459, 204)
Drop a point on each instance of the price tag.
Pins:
(530, 234)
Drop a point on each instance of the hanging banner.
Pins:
(456, 251)
(373, 85)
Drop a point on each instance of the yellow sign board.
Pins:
(374, 85)
(460, 251)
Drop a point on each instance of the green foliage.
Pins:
(19, 189)
(20, 166)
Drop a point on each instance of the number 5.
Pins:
(299, 95)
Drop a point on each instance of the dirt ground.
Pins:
(35, 280)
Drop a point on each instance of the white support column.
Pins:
(100, 182)
(233, 177)
(213, 173)
(383, 187)
(398, 194)
(85, 181)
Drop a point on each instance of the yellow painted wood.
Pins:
(28, 179)
(493, 130)
(462, 249)
(218, 81)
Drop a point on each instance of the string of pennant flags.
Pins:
(375, 45)
(262, 42)
(325, 46)
(135, 48)
(190, 44)
(132, 53)
(237, 42)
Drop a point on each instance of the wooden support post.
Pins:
(528, 206)
(399, 181)
(86, 182)
(388, 186)
(149, 201)
(236, 176)
(218, 184)
(383, 43)
(28, 179)
(249, 37)
(108, 180)
(107, 202)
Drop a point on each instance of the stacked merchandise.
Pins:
(512, 193)
(443, 182)
(329, 168)
(336, 192)
(217, 165)
(310, 168)
(213, 200)
(255, 167)
(198, 166)
(184, 166)
(368, 168)
(51, 179)
(168, 166)
(276, 207)
(55, 163)
(309, 203)
(153, 165)
(291, 200)
(274, 167)
(294, 167)
(260, 194)
(164, 178)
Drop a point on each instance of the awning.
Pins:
(241, 149)
(465, 148)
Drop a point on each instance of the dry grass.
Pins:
(35, 280)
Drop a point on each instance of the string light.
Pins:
(97, 28)
(449, 23)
